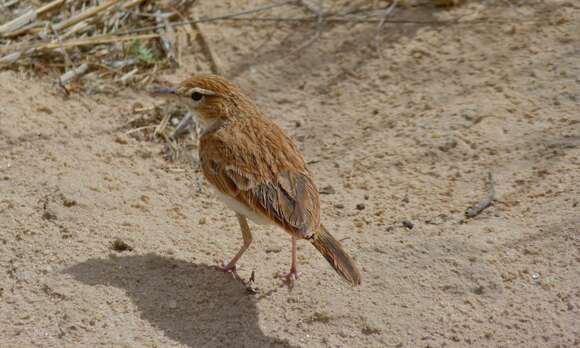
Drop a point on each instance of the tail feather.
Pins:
(333, 252)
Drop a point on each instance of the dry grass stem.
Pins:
(486, 202)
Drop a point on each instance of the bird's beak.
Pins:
(163, 90)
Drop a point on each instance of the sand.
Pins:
(408, 132)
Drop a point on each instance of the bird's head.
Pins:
(212, 99)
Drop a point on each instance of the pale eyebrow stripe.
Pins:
(202, 91)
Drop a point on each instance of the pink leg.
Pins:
(293, 274)
(230, 267)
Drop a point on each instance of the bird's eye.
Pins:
(196, 96)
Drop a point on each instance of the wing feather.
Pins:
(265, 172)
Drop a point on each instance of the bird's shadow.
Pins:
(190, 303)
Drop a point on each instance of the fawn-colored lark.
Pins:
(257, 171)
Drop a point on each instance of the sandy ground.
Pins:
(406, 133)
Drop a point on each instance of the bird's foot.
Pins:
(290, 277)
(231, 269)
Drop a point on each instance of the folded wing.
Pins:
(266, 173)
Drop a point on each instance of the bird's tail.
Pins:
(333, 252)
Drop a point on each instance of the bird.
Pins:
(257, 171)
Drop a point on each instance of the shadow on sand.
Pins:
(191, 303)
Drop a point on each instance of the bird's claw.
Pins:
(226, 268)
(290, 277)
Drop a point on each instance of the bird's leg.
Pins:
(293, 274)
(247, 236)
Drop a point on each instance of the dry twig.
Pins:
(93, 11)
(29, 17)
(90, 41)
(387, 12)
(319, 25)
(215, 64)
(71, 74)
(485, 202)
(8, 4)
(167, 37)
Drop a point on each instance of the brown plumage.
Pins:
(258, 171)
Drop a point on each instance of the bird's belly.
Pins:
(241, 208)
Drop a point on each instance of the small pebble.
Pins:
(144, 154)
(48, 215)
(327, 190)
(408, 224)
(360, 206)
(120, 246)
(202, 221)
(67, 202)
(121, 139)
